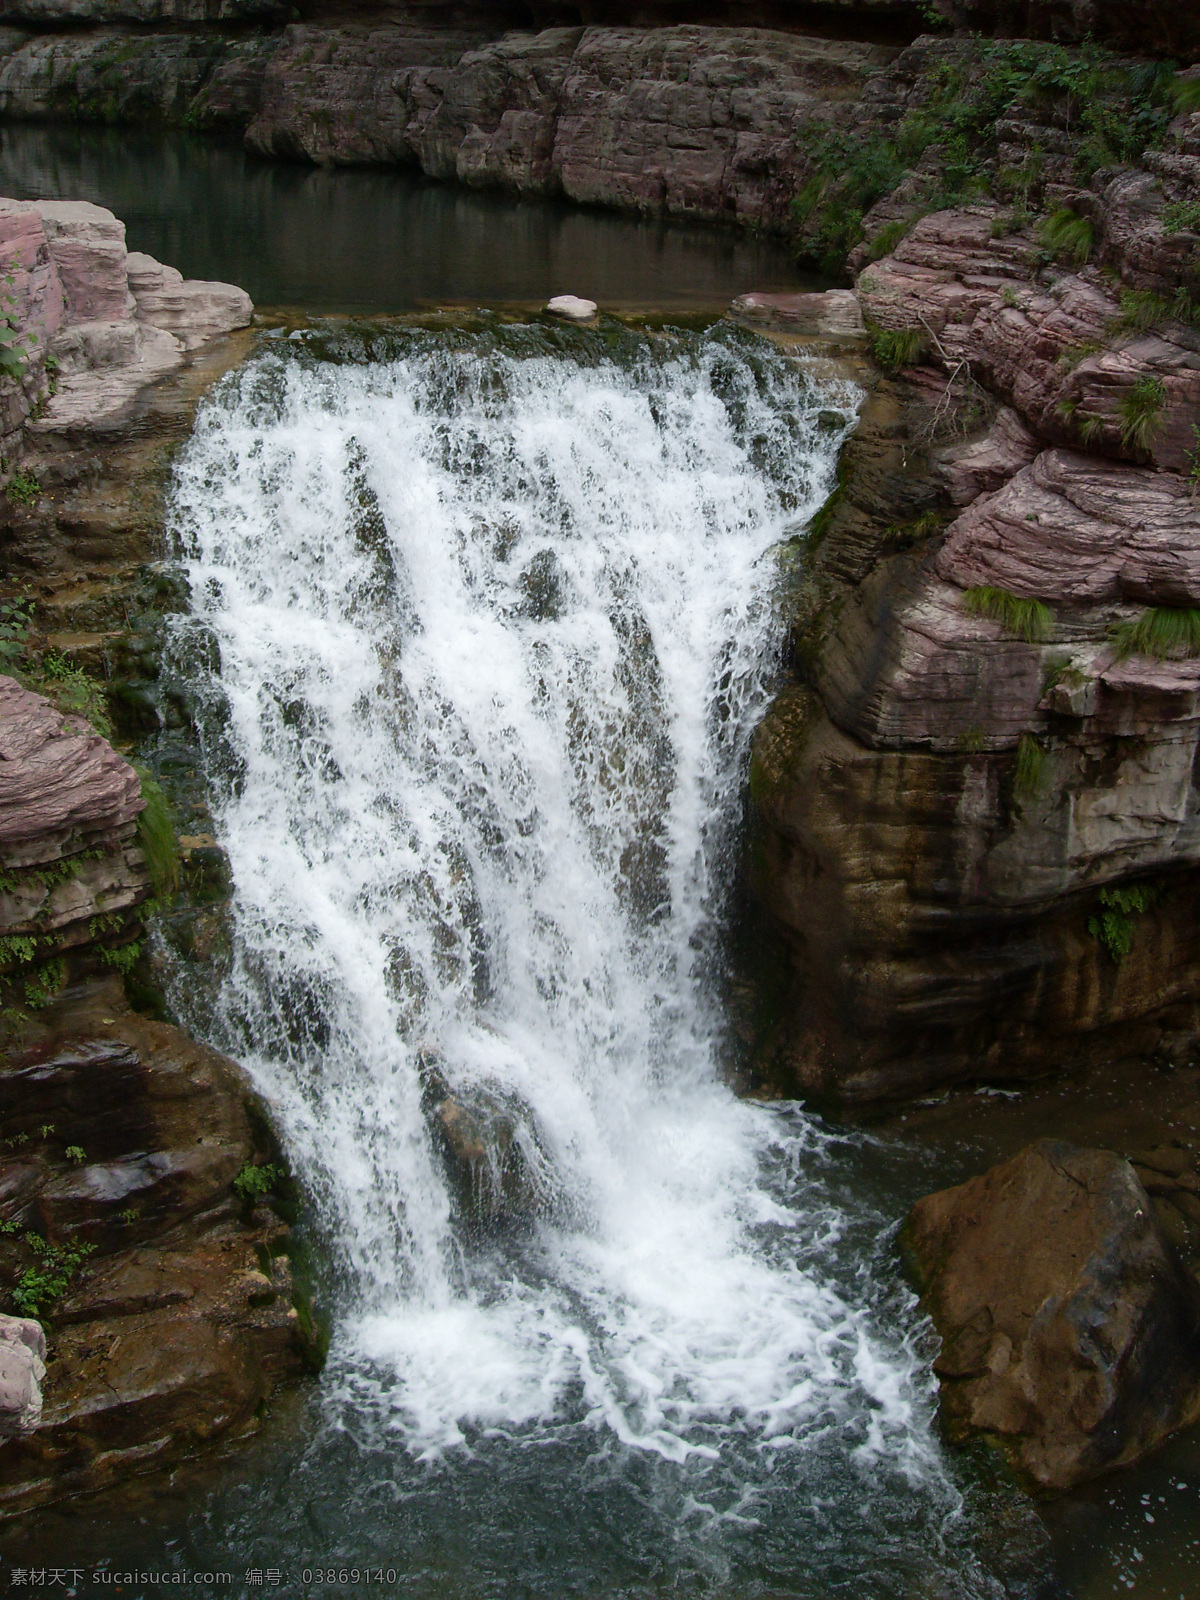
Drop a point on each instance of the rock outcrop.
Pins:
(179, 1315)
(1070, 1332)
(97, 324)
(976, 808)
(22, 1368)
(169, 1296)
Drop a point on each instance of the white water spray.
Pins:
(494, 624)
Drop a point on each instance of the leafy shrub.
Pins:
(76, 1154)
(41, 1285)
(1069, 235)
(22, 488)
(1141, 413)
(76, 692)
(1111, 112)
(124, 957)
(44, 983)
(1182, 216)
(253, 1182)
(15, 619)
(1113, 924)
(1161, 632)
(1031, 620)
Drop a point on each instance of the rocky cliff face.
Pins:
(142, 1195)
(127, 1223)
(978, 809)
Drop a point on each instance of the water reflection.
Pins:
(366, 240)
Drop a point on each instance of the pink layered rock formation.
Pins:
(1052, 349)
(60, 782)
(112, 322)
(68, 803)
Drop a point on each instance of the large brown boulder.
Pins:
(1070, 1332)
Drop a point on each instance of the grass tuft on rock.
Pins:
(1029, 779)
(1031, 620)
(156, 835)
(894, 348)
(1141, 410)
(1069, 235)
(1163, 633)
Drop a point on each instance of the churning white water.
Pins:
(495, 622)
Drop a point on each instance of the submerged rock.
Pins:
(1070, 1332)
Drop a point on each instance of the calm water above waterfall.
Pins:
(371, 241)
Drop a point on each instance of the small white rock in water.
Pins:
(570, 305)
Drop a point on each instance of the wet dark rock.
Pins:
(180, 1315)
(491, 1148)
(1070, 1331)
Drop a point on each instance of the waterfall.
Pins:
(491, 617)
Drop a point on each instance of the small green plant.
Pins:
(1141, 409)
(1090, 428)
(75, 1154)
(1031, 620)
(124, 958)
(1181, 216)
(22, 488)
(1029, 778)
(129, 1216)
(253, 1182)
(41, 1285)
(1113, 924)
(14, 346)
(896, 347)
(44, 982)
(156, 835)
(1069, 235)
(46, 1129)
(16, 949)
(76, 692)
(1162, 632)
(15, 619)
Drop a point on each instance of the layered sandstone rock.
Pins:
(1070, 1332)
(108, 322)
(687, 120)
(975, 764)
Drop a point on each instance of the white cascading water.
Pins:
(495, 623)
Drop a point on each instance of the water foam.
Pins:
(495, 625)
